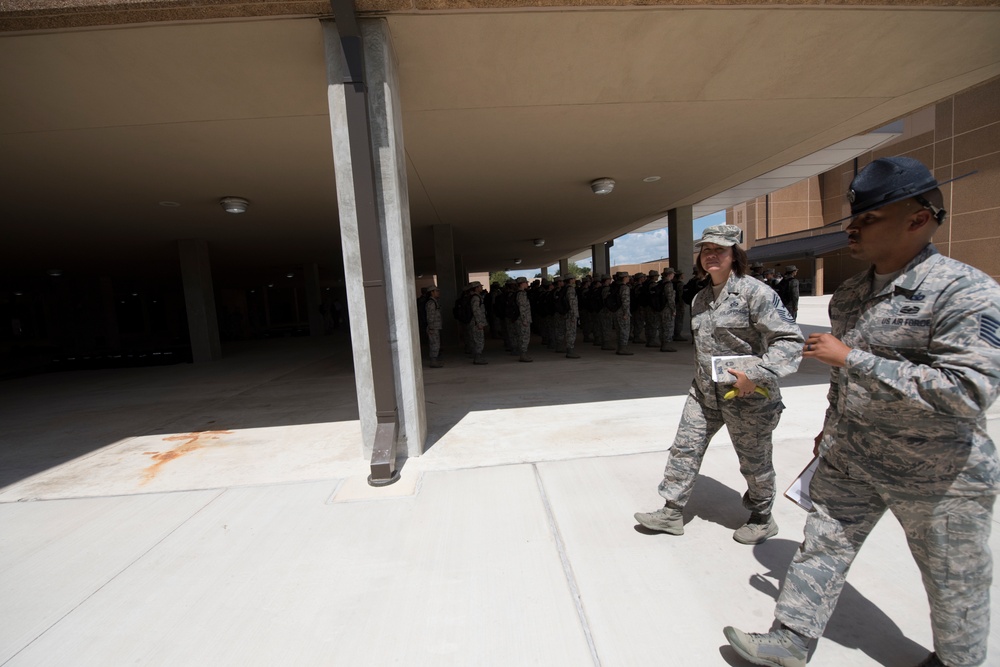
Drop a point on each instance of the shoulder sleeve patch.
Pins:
(989, 330)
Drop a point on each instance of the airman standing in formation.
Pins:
(477, 326)
(638, 297)
(652, 315)
(433, 310)
(523, 323)
(623, 315)
(571, 315)
(668, 314)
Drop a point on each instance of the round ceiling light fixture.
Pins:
(170, 204)
(651, 179)
(234, 204)
(55, 273)
(539, 242)
(517, 261)
(602, 186)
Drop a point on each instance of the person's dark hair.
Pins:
(740, 261)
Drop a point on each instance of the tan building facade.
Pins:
(957, 135)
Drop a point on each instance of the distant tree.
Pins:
(576, 270)
(499, 277)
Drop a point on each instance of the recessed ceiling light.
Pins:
(651, 179)
(55, 273)
(170, 203)
(289, 275)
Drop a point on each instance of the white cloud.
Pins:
(654, 245)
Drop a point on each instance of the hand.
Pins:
(744, 385)
(826, 348)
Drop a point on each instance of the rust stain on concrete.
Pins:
(190, 442)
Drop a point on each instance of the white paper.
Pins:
(738, 362)
(798, 492)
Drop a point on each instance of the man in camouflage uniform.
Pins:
(558, 320)
(915, 363)
(477, 326)
(789, 290)
(651, 313)
(669, 313)
(607, 318)
(522, 325)
(433, 311)
(639, 309)
(571, 315)
(623, 316)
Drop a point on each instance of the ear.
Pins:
(922, 219)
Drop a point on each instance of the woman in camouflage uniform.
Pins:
(736, 315)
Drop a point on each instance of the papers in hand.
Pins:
(740, 362)
(798, 492)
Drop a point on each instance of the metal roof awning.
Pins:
(809, 246)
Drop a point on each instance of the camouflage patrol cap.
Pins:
(669, 271)
(521, 279)
(653, 273)
(425, 289)
(474, 284)
(568, 277)
(432, 288)
(723, 235)
(790, 268)
(623, 274)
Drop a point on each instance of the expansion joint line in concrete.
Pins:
(567, 568)
(116, 575)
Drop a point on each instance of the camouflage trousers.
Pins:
(652, 327)
(522, 335)
(569, 331)
(750, 422)
(607, 322)
(434, 342)
(638, 324)
(948, 538)
(624, 325)
(476, 337)
(667, 321)
(558, 335)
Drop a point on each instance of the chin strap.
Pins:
(939, 213)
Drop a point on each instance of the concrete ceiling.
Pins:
(508, 115)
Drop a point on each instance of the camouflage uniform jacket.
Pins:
(625, 296)
(478, 311)
(747, 318)
(909, 405)
(574, 307)
(433, 314)
(523, 307)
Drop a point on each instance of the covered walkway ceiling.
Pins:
(508, 115)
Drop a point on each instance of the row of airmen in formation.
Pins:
(611, 311)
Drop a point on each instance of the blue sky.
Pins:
(636, 248)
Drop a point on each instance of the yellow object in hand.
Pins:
(733, 393)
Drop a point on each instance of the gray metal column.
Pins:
(199, 300)
(601, 261)
(563, 267)
(369, 162)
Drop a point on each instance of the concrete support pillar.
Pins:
(112, 337)
(394, 237)
(601, 260)
(461, 275)
(199, 299)
(818, 277)
(680, 240)
(563, 266)
(314, 299)
(545, 272)
(447, 281)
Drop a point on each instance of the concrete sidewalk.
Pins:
(219, 515)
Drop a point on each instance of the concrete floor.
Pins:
(219, 515)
